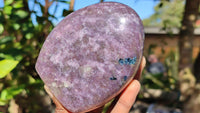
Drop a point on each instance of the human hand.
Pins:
(121, 104)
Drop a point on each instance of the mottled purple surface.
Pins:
(79, 59)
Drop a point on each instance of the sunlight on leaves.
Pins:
(29, 35)
(18, 4)
(22, 13)
(1, 28)
(16, 26)
(9, 93)
(3, 102)
(6, 66)
(8, 10)
(8, 2)
(6, 39)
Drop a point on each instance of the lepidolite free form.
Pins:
(92, 55)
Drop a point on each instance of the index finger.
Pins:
(140, 69)
(127, 98)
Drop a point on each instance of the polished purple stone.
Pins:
(91, 55)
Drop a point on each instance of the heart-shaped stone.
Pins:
(91, 55)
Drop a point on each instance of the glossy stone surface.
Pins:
(91, 55)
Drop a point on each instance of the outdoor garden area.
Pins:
(170, 81)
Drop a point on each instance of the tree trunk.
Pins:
(185, 51)
(187, 33)
(71, 6)
(197, 68)
(102, 1)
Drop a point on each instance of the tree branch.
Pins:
(71, 6)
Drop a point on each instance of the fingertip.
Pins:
(127, 98)
(143, 62)
(48, 91)
(135, 85)
(140, 69)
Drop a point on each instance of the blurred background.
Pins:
(170, 82)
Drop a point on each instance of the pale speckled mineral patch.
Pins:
(91, 55)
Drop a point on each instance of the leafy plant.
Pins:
(21, 38)
(6, 66)
(164, 16)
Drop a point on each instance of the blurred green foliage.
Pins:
(167, 81)
(6, 66)
(20, 42)
(164, 16)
